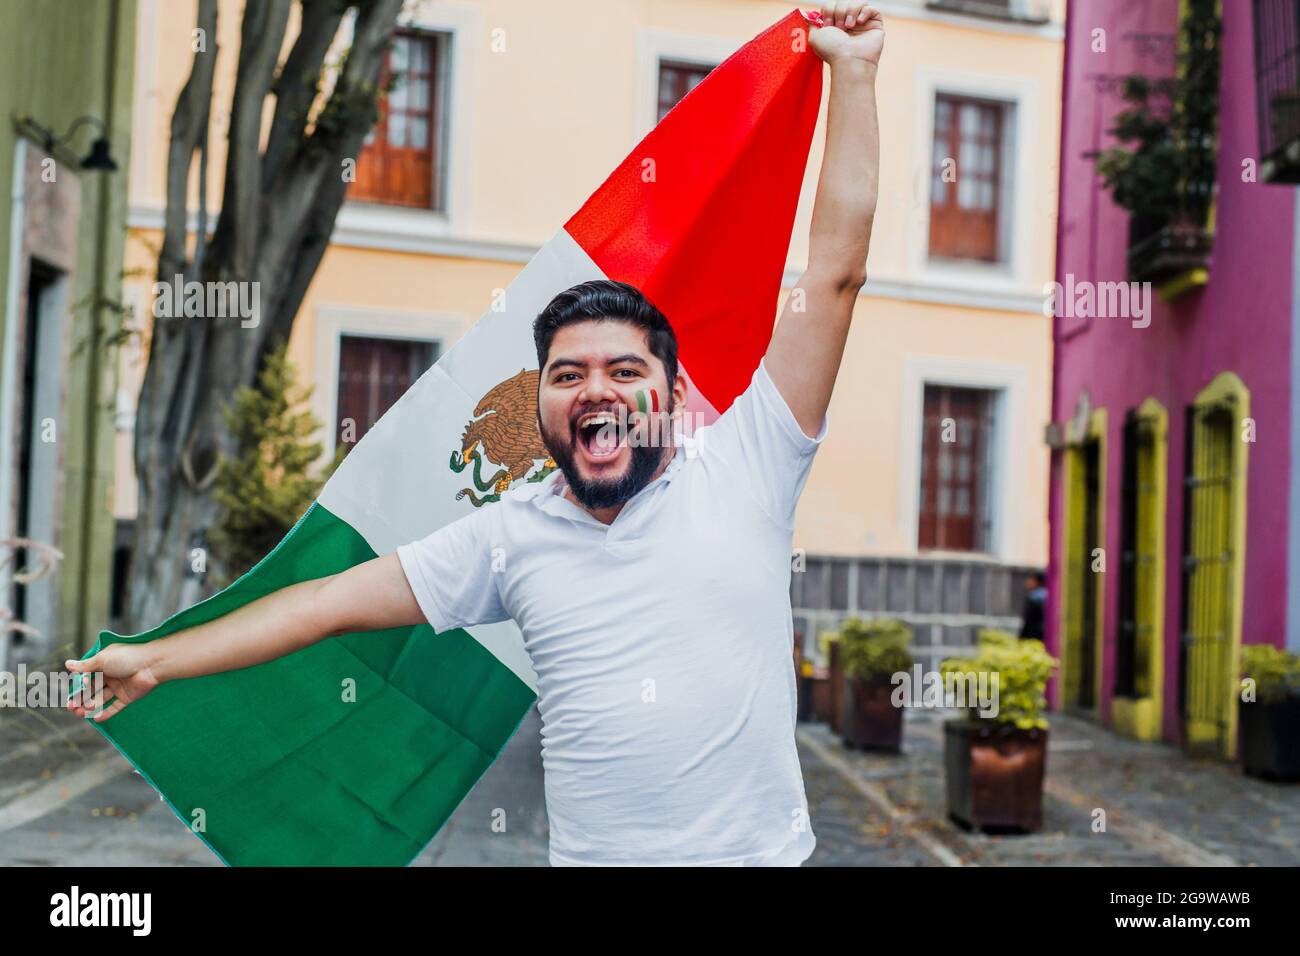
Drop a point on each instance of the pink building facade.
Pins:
(1174, 490)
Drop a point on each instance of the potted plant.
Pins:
(802, 670)
(830, 647)
(814, 687)
(1167, 235)
(873, 652)
(1270, 718)
(995, 758)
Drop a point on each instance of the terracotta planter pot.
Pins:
(994, 775)
(803, 700)
(837, 687)
(814, 698)
(871, 721)
(1270, 739)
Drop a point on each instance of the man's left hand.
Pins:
(853, 31)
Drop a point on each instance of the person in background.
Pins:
(1035, 604)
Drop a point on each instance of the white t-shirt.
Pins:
(662, 644)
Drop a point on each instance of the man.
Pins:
(650, 580)
(1034, 607)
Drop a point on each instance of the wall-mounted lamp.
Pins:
(99, 158)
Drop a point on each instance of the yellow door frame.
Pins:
(1214, 601)
(1071, 609)
(1142, 717)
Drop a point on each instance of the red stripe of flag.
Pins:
(707, 239)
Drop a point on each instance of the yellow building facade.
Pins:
(934, 452)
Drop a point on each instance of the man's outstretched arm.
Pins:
(804, 355)
(371, 596)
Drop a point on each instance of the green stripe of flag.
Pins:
(272, 790)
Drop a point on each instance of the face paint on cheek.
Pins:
(647, 400)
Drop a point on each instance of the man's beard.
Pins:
(644, 461)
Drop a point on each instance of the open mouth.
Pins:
(601, 436)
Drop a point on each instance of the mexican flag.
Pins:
(356, 750)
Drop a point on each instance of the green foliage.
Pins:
(1022, 668)
(1166, 169)
(267, 486)
(875, 648)
(824, 641)
(1276, 673)
(1138, 176)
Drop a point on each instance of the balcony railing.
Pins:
(1277, 88)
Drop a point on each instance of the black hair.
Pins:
(605, 299)
(1037, 578)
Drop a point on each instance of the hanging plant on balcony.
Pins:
(1164, 171)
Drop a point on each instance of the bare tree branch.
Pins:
(298, 84)
(235, 240)
(297, 234)
(189, 120)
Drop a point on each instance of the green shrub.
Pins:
(874, 648)
(1275, 672)
(1022, 669)
(268, 485)
(1165, 168)
(824, 642)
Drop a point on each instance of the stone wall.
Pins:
(945, 601)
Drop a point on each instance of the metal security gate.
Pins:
(1086, 646)
(1139, 561)
(1211, 569)
(1083, 584)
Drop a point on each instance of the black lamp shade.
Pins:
(99, 157)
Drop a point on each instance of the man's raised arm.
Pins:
(804, 355)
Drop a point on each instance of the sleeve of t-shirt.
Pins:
(451, 573)
(759, 440)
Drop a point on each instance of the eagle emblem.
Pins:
(503, 432)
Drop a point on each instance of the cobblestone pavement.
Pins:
(68, 798)
(1162, 808)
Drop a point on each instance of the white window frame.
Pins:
(1006, 456)
(1054, 29)
(652, 47)
(1021, 179)
(333, 322)
(388, 225)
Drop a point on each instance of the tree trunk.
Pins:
(278, 210)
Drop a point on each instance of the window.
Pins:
(966, 178)
(1277, 88)
(373, 374)
(676, 79)
(1028, 11)
(403, 160)
(956, 438)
